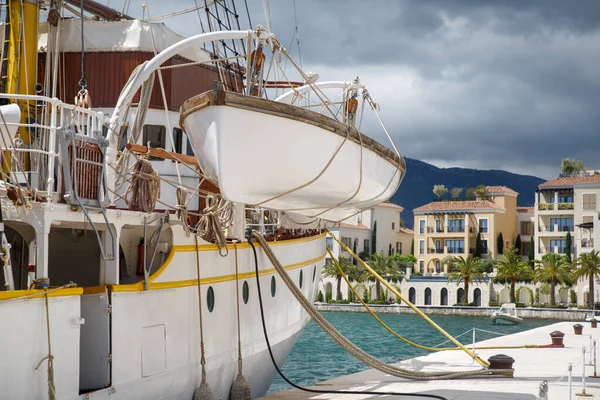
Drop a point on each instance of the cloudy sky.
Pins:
(486, 84)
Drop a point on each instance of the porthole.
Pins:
(273, 286)
(245, 292)
(210, 299)
(314, 272)
(300, 279)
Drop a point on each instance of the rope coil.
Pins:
(144, 187)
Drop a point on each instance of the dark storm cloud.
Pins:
(490, 84)
(478, 83)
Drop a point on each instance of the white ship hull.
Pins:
(244, 143)
(152, 337)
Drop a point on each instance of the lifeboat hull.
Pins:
(286, 158)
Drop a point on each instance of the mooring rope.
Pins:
(203, 391)
(240, 390)
(354, 350)
(405, 340)
(482, 362)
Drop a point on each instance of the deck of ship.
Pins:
(532, 367)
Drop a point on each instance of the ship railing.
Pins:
(262, 220)
(54, 127)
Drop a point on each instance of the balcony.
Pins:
(566, 206)
(545, 206)
(456, 250)
(439, 230)
(435, 251)
(587, 243)
(456, 230)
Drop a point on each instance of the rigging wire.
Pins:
(297, 34)
(305, 389)
(82, 82)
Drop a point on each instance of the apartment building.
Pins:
(357, 232)
(450, 227)
(567, 204)
(391, 237)
(525, 228)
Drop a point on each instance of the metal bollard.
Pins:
(595, 358)
(583, 393)
(543, 393)
(570, 381)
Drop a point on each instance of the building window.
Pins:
(188, 148)
(399, 247)
(483, 225)
(560, 244)
(421, 266)
(421, 247)
(438, 226)
(156, 135)
(565, 197)
(393, 226)
(525, 248)
(347, 241)
(455, 246)
(422, 227)
(588, 218)
(329, 242)
(367, 247)
(456, 225)
(589, 201)
(562, 224)
(177, 140)
(525, 228)
(484, 246)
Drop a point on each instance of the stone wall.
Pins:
(528, 312)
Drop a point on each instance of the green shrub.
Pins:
(328, 297)
(320, 297)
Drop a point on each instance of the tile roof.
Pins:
(359, 226)
(390, 205)
(496, 189)
(525, 209)
(406, 230)
(457, 205)
(571, 180)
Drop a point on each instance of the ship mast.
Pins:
(21, 75)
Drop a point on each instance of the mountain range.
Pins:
(417, 187)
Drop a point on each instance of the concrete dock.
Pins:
(532, 367)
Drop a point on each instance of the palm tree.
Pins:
(384, 266)
(331, 271)
(512, 268)
(552, 269)
(589, 266)
(467, 270)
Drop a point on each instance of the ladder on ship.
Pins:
(5, 17)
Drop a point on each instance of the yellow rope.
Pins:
(427, 348)
(479, 360)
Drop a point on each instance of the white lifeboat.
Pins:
(288, 158)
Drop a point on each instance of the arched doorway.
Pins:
(427, 296)
(477, 296)
(328, 291)
(444, 297)
(460, 295)
(504, 295)
(412, 295)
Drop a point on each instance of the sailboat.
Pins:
(128, 271)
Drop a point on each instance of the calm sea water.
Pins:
(316, 357)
